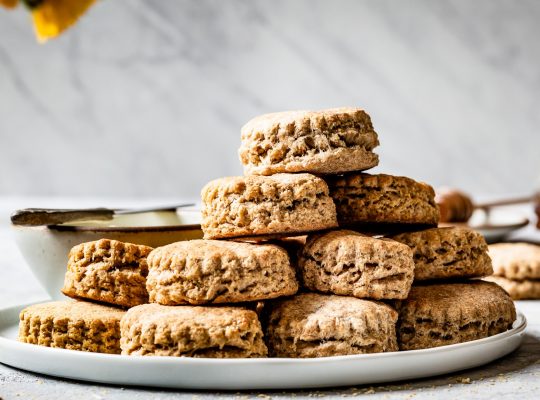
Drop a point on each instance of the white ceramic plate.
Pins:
(238, 374)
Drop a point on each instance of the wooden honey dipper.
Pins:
(456, 206)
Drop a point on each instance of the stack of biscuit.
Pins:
(292, 264)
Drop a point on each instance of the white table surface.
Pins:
(514, 376)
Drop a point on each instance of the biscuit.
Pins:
(517, 261)
(442, 314)
(348, 263)
(316, 325)
(527, 289)
(322, 142)
(74, 325)
(217, 271)
(278, 205)
(441, 253)
(188, 331)
(382, 201)
(108, 271)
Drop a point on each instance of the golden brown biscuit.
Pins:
(74, 325)
(348, 263)
(441, 314)
(108, 271)
(383, 201)
(322, 142)
(271, 206)
(187, 331)
(527, 289)
(217, 271)
(453, 252)
(316, 325)
(516, 260)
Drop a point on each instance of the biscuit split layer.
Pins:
(187, 331)
(322, 142)
(442, 314)
(74, 325)
(108, 271)
(316, 325)
(348, 263)
(214, 271)
(383, 201)
(452, 252)
(278, 205)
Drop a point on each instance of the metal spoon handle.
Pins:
(52, 216)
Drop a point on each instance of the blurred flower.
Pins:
(9, 3)
(52, 17)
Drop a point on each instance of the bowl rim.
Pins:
(124, 229)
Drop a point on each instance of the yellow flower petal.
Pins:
(52, 17)
(9, 3)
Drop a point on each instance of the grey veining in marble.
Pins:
(146, 98)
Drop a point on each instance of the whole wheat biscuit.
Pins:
(316, 325)
(348, 263)
(527, 289)
(453, 252)
(278, 205)
(322, 142)
(383, 201)
(442, 314)
(74, 325)
(187, 331)
(217, 271)
(516, 260)
(108, 271)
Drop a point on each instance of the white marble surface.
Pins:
(146, 98)
(514, 376)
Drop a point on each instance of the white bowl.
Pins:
(46, 248)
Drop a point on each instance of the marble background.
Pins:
(146, 98)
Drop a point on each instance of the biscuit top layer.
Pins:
(453, 233)
(108, 251)
(74, 310)
(381, 182)
(456, 299)
(348, 244)
(174, 317)
(213, 250)
(317, 315)
(278, 187)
